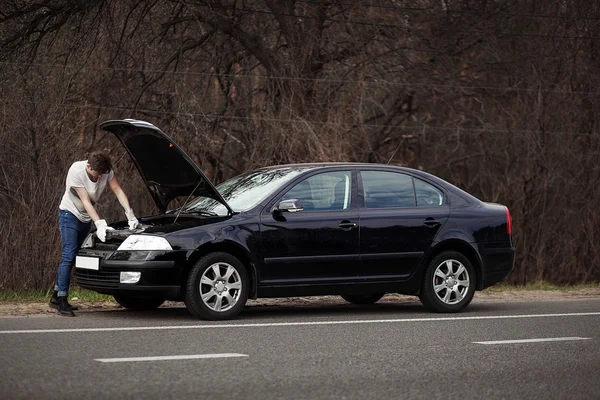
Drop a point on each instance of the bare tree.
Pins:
(498, 98)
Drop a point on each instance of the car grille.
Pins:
(97, 278)
(107, 246)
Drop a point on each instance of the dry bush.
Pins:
(498, 99)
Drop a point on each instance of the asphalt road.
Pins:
(351, 352)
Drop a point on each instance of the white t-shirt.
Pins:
(78, 177)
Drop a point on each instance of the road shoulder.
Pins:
(41, 309)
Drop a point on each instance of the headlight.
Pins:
(88, 242)
(145, 242)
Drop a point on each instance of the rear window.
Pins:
(387, 189)
(427, 195)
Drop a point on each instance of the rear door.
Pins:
(399, 218)
(318, 244)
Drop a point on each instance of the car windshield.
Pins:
(244, 191)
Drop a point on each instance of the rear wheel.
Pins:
(217, 287)
(363, 299)
(138, 303)
(449, 283)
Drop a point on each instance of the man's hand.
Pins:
(101, 228)
(131, 219)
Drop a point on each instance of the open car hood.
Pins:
(167, 171)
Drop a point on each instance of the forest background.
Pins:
(497, 97)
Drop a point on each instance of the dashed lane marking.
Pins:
(556, 339)
(168, 358)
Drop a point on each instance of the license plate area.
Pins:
(87, 263)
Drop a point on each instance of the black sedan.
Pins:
(355, 230)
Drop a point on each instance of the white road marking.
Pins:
(166, 358)
(306, 323)
(555, 339)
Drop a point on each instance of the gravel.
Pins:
(41, 308)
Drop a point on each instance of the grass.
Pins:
(41, 295)
(543, 286)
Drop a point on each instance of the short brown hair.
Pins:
(100, 161)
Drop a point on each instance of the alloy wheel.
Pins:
(220, 286)
(451, 281)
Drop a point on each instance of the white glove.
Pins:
(131, 219)
(101, 228)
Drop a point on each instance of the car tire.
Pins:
(138, 303)
(217, 287)
(449, 283)
(363, 299)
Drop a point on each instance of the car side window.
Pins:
(428, 195)
(387, 189)
(326, 191)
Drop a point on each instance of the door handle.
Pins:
(431, 222)
(347, 225)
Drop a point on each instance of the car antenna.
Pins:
(395, 151)
(186, 201)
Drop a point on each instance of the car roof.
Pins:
(332, 164)
(317, 165)
(432, 178)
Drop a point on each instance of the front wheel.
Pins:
(138, 303)
(363, 299)
(217, 287)
(449, 283)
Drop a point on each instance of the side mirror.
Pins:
(292, 205)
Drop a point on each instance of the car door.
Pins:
(319, 243)
(400, 216)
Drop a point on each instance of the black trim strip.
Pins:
(379, 278)
(380, 256)
(342, 257)
(306, 280)
(311, 259)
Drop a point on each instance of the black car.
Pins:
(349, 229)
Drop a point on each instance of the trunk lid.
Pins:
(167, 171)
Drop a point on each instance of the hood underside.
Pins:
(167, 171)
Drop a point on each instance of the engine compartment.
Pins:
(123, 232)
(160, 224)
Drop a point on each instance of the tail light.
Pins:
(508, 222)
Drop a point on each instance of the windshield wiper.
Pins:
(201, 212)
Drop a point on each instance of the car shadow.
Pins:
(316, 309)
(391, 310)
(293, 310)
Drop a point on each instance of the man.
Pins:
(86, 180)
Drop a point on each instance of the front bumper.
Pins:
(161, 273)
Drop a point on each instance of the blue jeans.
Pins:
(72, 234)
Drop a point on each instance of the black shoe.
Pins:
(64, 308)
(54, 302)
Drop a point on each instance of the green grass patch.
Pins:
(543, 286)
(40, 295)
